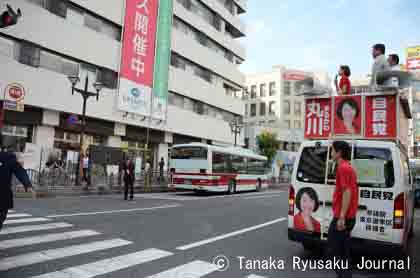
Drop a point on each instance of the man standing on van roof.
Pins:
(380, 63)
(345, 204)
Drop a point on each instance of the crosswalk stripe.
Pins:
(17, 215)
(54, 254)
(11, 243)
(26, 220)
(30, 228)
(255, 276)
(193, 269)
(108, 265)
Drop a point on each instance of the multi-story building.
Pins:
(55, 39)
(271, 104)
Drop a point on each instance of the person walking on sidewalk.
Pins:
(10, 166)
(161, 170)
(129, 177)
(345, 204)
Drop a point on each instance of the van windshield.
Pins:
(374, 167)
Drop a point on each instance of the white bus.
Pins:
(202, 167)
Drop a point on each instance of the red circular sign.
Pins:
(15, 92)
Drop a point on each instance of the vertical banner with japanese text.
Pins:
(381, 117)
(162, 61)
(138, 56)
(348, 115)
(318, 118)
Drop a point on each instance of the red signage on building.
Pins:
(348, 115)
(381, 117)
(318, 118)
(294, 76)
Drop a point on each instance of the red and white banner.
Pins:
(348, 115)
(381, 117)
(295, 75)
(318, 118)
(138, 56)
(413, 64)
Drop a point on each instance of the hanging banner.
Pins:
(318, 118)
(138, 56)
(163, 57)
(413, 58)
(381, 119)
(14, 96)
(348, 115)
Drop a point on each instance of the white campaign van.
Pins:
(375, 124)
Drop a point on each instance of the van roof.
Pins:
(365, 143)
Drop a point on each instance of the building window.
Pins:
(89, 71)
(287, 124)
(178, 62)
(93, 22)
(253, 91)
(287, 88)
(108, 78)
(272, 89)
(75, 16)
(6, 47)
(262, 109)
(298, 124)
(263, 92)
(50, 61)
(29, 54)
(202, 73)
(70, 68)
(286, 107)
(298, 108)
(271, 108)
(199, 107)
(253, 109)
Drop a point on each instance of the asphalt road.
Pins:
(158, 235)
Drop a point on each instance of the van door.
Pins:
(376, 177)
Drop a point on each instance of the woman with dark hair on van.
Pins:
(347, 112)
(307, 202)
(344, 86)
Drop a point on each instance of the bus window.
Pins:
(189, 153)
(238, 164)
(221, 163)
(256, 166)
(311, 168)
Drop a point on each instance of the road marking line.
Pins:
(111, 211)
(26, 220)
(255, 276)
(264, 196)
(108, 265)
(193, 269)
(213, 239)
(54, 254)
(11, 243)
(30, 228)
(18, 215)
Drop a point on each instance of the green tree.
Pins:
(268, 145)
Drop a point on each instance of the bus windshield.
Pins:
(198, 153)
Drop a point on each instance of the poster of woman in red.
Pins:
(307, 203)
(347, 117)
(381, 120)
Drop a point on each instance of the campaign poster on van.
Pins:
(318, 118)
(380, 117)
(348, 115)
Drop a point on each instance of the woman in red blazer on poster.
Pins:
(307, 203)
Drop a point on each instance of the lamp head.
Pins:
(74, 80)
(98, 86)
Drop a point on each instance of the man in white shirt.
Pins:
(394, 62)
(380, 63)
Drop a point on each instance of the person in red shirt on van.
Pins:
(344, 86)
(345, 204)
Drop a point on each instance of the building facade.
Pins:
(55, 39)
(271, 104)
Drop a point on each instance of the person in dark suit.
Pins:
(10, 166)
(129, 177)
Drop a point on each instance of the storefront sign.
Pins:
(381, 120)
(138, 56)
(413, 58)
(318, 118)
(348, 115)
(14, 95)
(73, 119)
(294, 75)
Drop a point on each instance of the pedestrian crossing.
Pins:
(35, 232)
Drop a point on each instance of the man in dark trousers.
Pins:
(161, 169)
(9, 166)
(345, 204)
(129, 178)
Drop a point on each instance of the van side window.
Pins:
(374, 167)
(311, 168)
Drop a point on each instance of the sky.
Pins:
(323, 34)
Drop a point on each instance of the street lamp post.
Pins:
(85, 95)
(236, 126)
